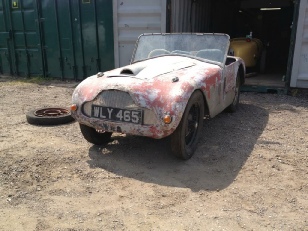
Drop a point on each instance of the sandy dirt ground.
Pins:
(250, 171)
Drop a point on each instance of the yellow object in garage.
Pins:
(249, 49)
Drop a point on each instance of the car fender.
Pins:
(169, 94)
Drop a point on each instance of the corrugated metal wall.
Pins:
(78, 37)
(299, 77)
(69, 39)
(190, 16)
(20, 51)
(132, 18)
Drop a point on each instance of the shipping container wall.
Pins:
(78, 36)
(5, 56)
(132, 18)
(299, 77)
(20, 47)
(189, 16)
(69, 39)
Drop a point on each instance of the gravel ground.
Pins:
(250, 171)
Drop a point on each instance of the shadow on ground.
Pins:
(227, 142)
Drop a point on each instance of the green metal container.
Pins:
(67, 39)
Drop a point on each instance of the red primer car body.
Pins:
(166, 69)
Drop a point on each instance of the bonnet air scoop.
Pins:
(133, 70)
(164, 68)
(152, 68)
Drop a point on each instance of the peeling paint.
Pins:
(157, 92)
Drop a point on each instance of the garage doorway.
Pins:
(272, 22)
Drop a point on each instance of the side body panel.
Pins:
(224, 90)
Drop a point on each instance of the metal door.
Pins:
(69, 39)
(78, 37)
(58, 39)
(132, 18)
(20, 44)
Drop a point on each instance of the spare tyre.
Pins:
(49, 116)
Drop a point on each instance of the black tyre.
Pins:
(94, 137)
(49, 116)
(234, 105)
(185, 138)
(262, 63)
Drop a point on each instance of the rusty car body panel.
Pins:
(158, 85)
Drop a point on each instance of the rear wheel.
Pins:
(93, 136)
(185, 138)
(262, 62)
(234, 105)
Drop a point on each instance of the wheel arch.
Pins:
(206, 107)
(205, 103)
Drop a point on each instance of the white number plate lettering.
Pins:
(117, 114)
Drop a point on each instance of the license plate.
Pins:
(117, 114)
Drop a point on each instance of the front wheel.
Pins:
(185, 138)
(93, 136)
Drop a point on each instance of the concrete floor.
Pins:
(268, 79)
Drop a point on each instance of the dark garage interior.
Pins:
(271, 21)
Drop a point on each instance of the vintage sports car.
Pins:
(251, 50)
(172, 83)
